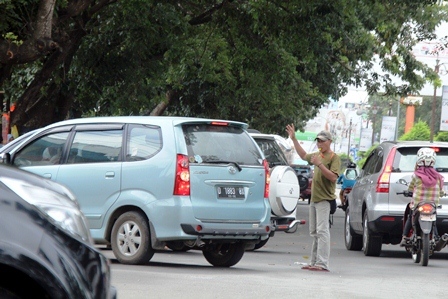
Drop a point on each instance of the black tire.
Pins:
(303, 182)
(178, 246)
(371, 243)
(130, 239)
(224, 255)
(261, 244)
(425, 250)
(353, 241)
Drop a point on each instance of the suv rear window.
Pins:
(272, 152)
(406, 157)
(214, 143)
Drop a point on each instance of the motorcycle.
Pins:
(423, 240)
(345, 193)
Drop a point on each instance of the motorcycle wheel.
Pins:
(416, 253)
(425, 249)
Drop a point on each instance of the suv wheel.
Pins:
(224, 254)
(371, 243)
(353, 241)
(130, 239)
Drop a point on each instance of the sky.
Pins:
(423, 53)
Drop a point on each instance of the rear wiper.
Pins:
(223, 162)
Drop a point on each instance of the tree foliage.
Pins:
(420, 131)
(265, 62)
(442, 136)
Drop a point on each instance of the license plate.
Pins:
(428, 217)
(230, 192)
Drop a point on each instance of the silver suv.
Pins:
(375, 212)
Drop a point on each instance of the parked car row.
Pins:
(145, 183)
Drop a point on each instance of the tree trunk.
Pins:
(161, 107)
(33, 108)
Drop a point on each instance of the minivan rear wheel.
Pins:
(371, 243)
(224, 254)
(130, 239)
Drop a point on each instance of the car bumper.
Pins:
(392, 225)
(286, 224)
(227, 232)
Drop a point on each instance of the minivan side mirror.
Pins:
(5, 158)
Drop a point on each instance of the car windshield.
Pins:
(406, 157)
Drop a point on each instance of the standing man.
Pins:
(323, 190)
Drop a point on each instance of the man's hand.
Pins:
(291, 131)
(316, 160)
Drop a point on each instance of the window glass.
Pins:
(95, 146)
(46, 150)
(406, 157)
(370, 164)
(351, 174)
(272, 152)
(378, 162)
(143, 142)
(216, 143)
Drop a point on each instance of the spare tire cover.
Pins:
(284, 190)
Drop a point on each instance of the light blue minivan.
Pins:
(147, 183)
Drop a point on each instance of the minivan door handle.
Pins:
(47, 175)
(110, 174)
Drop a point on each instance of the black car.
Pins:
(46, 250)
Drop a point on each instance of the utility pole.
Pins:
(374, 111)
(433, 108)
(349, 137)
(434, 98)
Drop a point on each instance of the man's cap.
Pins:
(324, 135)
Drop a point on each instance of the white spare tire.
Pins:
(284, 190)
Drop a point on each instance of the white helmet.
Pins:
(426, 157)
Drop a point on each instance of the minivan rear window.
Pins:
(214, 143)
(406, 157)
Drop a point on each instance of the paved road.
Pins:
(274, 271)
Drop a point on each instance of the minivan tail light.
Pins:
(267, 178)
(383, 183)
(220, 123)
(182, 180)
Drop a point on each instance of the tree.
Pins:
(263, 62)
(46, 34)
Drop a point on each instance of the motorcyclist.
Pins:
(347, 179)
(426, 185)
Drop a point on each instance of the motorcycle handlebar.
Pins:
(406, 193)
